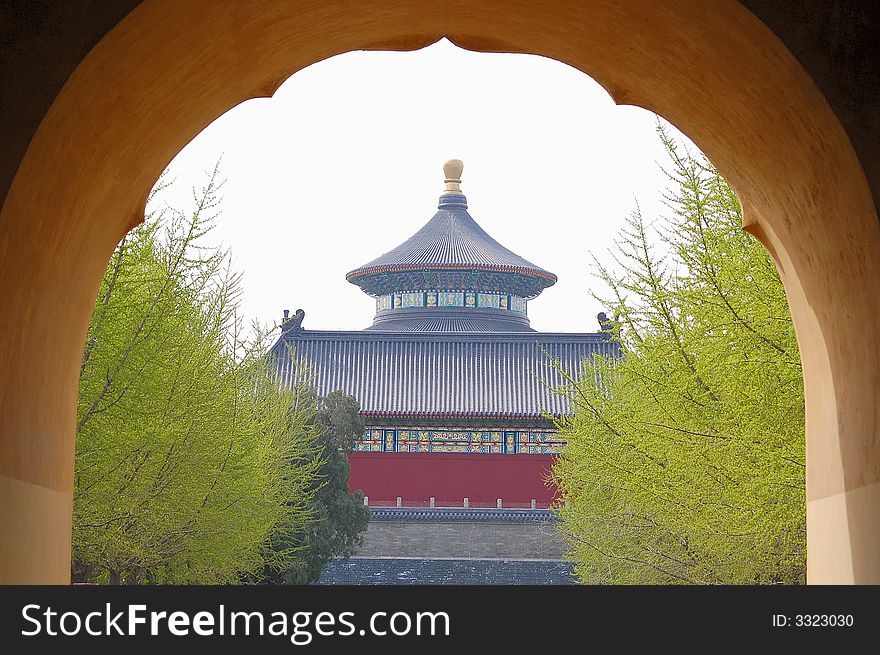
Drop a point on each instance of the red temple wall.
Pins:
(451, 477)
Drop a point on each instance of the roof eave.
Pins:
(458, 415)
(521, 270)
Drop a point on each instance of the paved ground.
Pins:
(396, 571)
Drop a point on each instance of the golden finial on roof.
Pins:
(452, 170)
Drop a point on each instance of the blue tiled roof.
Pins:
(451, 239)
(440, 374)
(460, 515)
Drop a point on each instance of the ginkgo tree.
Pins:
(188, 456)
(685, 457)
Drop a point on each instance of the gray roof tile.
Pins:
(452, 239)
(443, 373)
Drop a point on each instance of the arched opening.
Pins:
(716, 72)
(351, 147)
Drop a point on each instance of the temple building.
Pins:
(459, 392)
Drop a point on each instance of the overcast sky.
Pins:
(345, 162)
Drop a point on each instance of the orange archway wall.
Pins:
(170, 68)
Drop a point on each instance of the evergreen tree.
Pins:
(685, 458)
(340, 517)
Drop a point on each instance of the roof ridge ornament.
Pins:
(452, 170)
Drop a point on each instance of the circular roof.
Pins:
(452, 240)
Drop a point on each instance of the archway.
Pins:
(168, 69)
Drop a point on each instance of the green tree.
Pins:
(188, 457)
(685, 460)
(340, 517)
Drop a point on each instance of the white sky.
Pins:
(345, 162)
